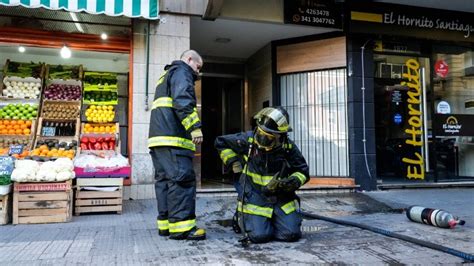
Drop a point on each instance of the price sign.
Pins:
(48, 131)
(15, 149)
(6, 165)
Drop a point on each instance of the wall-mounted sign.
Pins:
(443, 107)
(453, 125)
(405, 20)
(441, 68)
(321, 13)
(397, 119)
(396, 96)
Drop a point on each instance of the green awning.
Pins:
(147, 9)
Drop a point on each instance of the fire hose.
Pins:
(468, 257)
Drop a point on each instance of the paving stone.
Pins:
(132, 238)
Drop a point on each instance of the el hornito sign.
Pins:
(320, 13)
(414, 163)
(412, 21)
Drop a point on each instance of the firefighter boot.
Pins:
(193, 234)
(163, 225)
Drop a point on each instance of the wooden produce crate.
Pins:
(49, 105)
(40, 74)
(42, 202)
(53, 72)
(77, 122)
(5, 209)
(91, 201)
(3, 86)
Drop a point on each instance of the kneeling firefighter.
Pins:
(273, 169)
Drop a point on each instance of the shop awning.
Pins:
(147, 9)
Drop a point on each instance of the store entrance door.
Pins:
(221, 114)
(402, 118)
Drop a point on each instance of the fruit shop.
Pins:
(64, 112)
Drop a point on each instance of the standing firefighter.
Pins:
(175, 128)
(274, 169)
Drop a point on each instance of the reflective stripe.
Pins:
(287, 146)
(182, 226)
(171, 141)
(162, 224)
(300, 176)
(262, 180)
(289, 207)
(246, 158)
(190, 120)
(162, 78)
(255, 210)
(227, 154)
(162, 102)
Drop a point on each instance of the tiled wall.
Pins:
(168, 39)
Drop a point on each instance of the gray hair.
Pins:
(193, 54)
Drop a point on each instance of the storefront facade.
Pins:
(357, 117)
(417, 66)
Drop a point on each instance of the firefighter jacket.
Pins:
(173, 113)
(259, 169)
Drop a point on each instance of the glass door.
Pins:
(402, 118)
(453, 123)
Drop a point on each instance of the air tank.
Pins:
(434, 217)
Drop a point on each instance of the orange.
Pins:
(4, 132)
(2, 127)
(16, 127)
(23, 126)
(21, 122)
(18, 131)
(11, 132)
(13, 122)
(26, 131)
(28, 123)
(6, 122)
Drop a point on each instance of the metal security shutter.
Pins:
(317, 105)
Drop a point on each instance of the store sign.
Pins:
(6, 165)
(453, 125)
(411, 21)
(443, 107)
(414, 162)
(441, 68)
(320, 13)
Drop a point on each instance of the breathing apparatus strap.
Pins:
(245, 240)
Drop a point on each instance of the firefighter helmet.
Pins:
(273, 120)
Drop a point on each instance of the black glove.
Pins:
(289, 184)
(273, 186)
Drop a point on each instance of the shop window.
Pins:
(317, 105)
(453, 86)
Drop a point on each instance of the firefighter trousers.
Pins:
(266, 218)
(175, 189)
